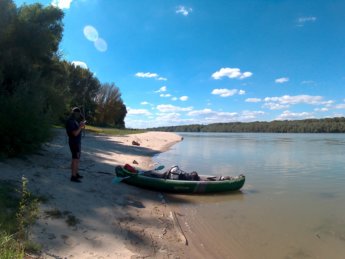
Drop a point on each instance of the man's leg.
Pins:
(75, 167)
(75, 163)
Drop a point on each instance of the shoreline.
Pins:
(95, 218)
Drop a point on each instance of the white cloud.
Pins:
(328, 103)
(172, 108)
(227, 92)
(231, 73)
(62, 4)
(183, 10)
(138, 112)
(184, 98)
(79, 64)
(150, 75)
(340, 106)
(168, 117)
(174, 99)
(303, 20)
(146, 75)
(246, 74)
(284, 102)
(324, 109)
(253, 100)
(90, 33)
(287, 115)
(162, 89)
(205, 111)
(209, 116)
(308, 82)
(337, 115)
(144, 103)
(165, 95)
(307, 19)
(251, 115)
(287, 99)
(275, 106)
(282, 80)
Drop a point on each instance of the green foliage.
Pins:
(110, 109)
(27, 211)
(10, 248)
(19, 210)
(9, 201)
(112, 131)
(37, 88)
(25, 77)
(329, 125)
(23, 123)
(83, 88)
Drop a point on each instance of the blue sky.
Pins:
(198, 61)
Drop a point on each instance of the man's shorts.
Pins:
(75, 150)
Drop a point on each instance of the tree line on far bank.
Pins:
(328, 125)
(37, 87)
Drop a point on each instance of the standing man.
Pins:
(74, 127)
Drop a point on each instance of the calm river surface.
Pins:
(291, 206)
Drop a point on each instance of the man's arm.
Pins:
(77, 131)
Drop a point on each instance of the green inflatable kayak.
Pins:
(177, 181)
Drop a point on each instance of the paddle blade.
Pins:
(117, 180)
(159, 167)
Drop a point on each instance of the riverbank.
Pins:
(95, 218)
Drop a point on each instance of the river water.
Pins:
(291, 206)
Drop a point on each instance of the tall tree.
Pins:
(29, 40)
(110, 109)
(83, 89)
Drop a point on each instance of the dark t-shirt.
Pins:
(72, 125)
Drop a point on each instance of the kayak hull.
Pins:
(143, 180)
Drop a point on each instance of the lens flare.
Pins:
(101, 45)
(91, 33)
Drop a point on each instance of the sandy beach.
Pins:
(96, 218)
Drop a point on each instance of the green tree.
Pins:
(110, 109)
(83, 89)
(29, 40)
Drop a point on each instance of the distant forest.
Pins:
(329, 125)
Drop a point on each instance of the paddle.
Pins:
(159, 167)
(117, 179)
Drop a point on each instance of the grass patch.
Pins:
(112, 131)
(107, 131)
(9, 201)
(18, 211)
(10, 247)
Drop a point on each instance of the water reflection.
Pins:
(180, 199)
(292, 204)
(327, 195)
